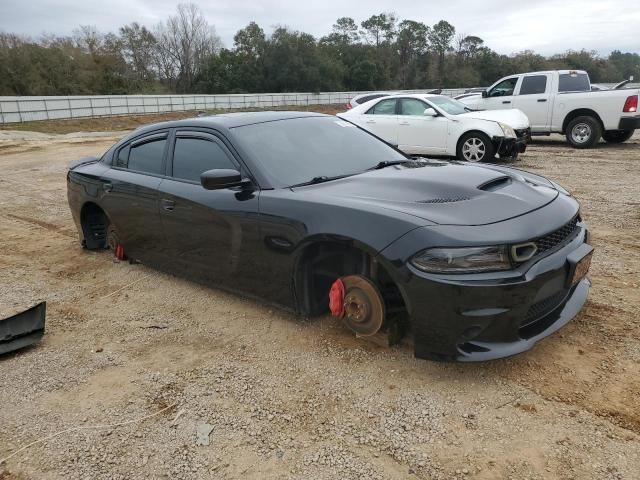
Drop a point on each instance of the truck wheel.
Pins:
(475, 147)
(583, 132)
(617, 136)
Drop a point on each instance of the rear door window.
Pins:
(194, 155)
(384, 107)
(533, 84)
(147, 156)
(574, 82)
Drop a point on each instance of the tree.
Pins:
(527, 61)
(379, 28)
(345, 30)
(138, 49)
(250, 41)
(440, 37)
(293, 62)
(249, 49)
(468, 46)
(184, 55)
(88, 39)
(184, 42)
(411, 44)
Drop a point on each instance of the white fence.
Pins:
(26, 109)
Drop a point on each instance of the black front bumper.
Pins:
(487, 316)
(629, 123)
(511, 147)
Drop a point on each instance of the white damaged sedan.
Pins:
(437, 125)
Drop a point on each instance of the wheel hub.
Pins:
(581, 132)
(473, 150)
(363, 305)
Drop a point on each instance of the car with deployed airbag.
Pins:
(307, 211)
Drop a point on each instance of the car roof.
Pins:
(409, 95)
(541, 72)
(231, 120)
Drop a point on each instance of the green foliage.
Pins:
(183, 54)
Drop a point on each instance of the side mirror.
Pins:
(430, 112)
(485, 94)
(220, 178)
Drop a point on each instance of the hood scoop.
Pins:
(445, 200)
(495, 184)
(452, 194)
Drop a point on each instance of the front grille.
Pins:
(558, 237)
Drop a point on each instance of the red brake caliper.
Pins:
(336, 299)
(120, 252)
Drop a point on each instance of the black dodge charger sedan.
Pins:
(312, 213)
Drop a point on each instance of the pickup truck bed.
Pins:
(562, 102)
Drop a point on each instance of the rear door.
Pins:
(534, 99)
(419, 133)
(382, 120)
(131, 196)
(211, 234)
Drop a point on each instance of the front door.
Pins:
(211, 234)
(500, 95)
(534, 99)
(419, 133)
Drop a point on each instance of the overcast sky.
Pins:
(546, 26)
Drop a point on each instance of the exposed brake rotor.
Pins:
(363, 305)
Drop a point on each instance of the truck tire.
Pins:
(583, 132)
(475, 147)
(617, 136)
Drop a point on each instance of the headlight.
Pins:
(462, 260)
(508, 131)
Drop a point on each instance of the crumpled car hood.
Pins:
(513, 117)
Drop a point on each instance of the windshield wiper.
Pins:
(388, 163)
(316, 180)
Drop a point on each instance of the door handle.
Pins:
(168, 204)
(404, 123)
(506, 101)
(542, 99)
(107, 187)
(370, 121)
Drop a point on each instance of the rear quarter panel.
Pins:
(608, 104)
(83, 186)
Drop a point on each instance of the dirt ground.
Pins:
(289, 398)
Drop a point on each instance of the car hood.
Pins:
(512, 117)
(448, 193)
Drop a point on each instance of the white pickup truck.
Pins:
(561, 101)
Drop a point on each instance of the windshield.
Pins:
(297, 150)
(449, 105)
